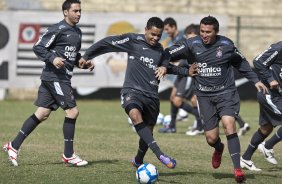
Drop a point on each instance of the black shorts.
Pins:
(149, 107)
(183, 87)
(212, 108)
(270, 109)
(53, 95)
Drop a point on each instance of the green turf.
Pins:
(104, 138)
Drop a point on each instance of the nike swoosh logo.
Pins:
(247, 163)
(144, 48)
(240, 82)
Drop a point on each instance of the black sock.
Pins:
(68, 130)
(218, 146)
(257, 138)
(234, 149)
(28, 126)
(187, 107)
(173, 113)
(145, 133)
(277, 137)
(143, 147)
(240, 121)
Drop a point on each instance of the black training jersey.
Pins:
(59, 40)
(214, 62)
(143, 59)
(269, 65)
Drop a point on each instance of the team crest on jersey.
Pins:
(127, 98)
(218, 52)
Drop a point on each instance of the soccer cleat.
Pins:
(167, 130)
(268, 153)
(167, 161)
(239, 176)
(194, 126)
(74, 160)
(194, 132)
(182, 118)
(244, 129)
(248, 164)
(12, 153)
(216, 158)
(134, 164)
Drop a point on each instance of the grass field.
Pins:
(104, 138)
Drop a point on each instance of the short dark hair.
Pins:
(67, 4)
(192, 28)
(210, 20)
(170, 21)
(155, 22)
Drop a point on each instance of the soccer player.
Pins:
(214, 56)
(59, 48)
(171, 29)
(139, 95)
(174, 35)
(183, 89)
(269, 67)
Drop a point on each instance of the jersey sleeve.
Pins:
(264, 60)
(239, 62)
(177, 51)
(177, 70)
(42, 46)
(120, 43)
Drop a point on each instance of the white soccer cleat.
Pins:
(244, 129)
(194, 132)
(268, 153)
(74, 160)
(248, 164)
(12, 153)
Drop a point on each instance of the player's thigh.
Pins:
(228, 104)
(62, 93)
(208, 112)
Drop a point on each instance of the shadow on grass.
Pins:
(248, 175)
(174, 174)
(273, 169)
(69, 165)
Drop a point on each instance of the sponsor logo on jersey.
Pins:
(148, 62)
(177, 49)
(120, 41)
(70, 53)
(270, 58)
(218, 52)
(257, 58)
(50, 41)
(210, 88)
(206, 71)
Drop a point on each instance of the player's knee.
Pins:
(42, 115)
(211, 140)
(177, 102)
(72, 113)
(266, 129)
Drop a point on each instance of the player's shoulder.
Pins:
(224, 40)
(63, 26)
(194, 40)
(277, 45)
